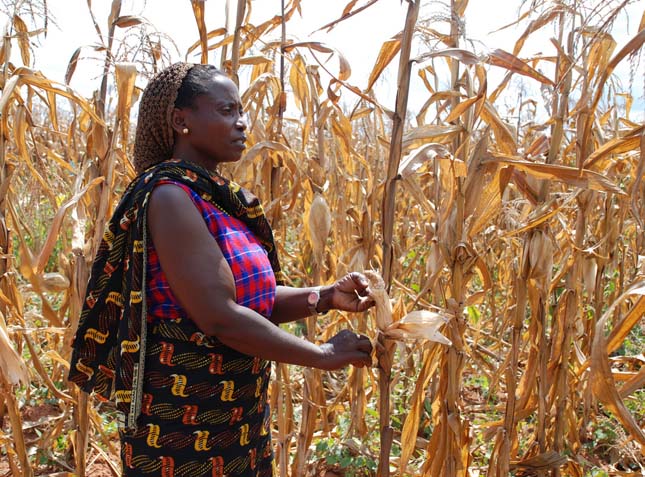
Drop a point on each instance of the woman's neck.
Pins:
(206, 163)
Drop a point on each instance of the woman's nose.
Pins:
(242, 122)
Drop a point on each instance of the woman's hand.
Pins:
(346, 347)
(350, 293)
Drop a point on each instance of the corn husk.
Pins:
(383, 306)
(55, 282)
(419, 325)
(319, 227)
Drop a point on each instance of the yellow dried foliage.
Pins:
(509, 251)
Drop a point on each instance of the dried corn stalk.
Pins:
(524, 227)
(419, 325)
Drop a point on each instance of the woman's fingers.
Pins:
(364, 344)
(351, 348)
(362, 284)
(354, 281)
(364, 359)
(351, 293)
(364, 303)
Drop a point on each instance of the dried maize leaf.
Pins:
(267, 146)
(7, 92)
(505, 138)
(632, 46)
(256, 60)
(12, 366)
(512, 63)
(22, 32)
(348, 12)
(127, 21)
(629, 142)
(545, 461)
(42, 372)
(465, 56)
(624, 326)
(602, 46)
(415, 406)
(344, 70)
(634, 384)
(26, 76)
(388, 51)
(18, 448)
(199, 13)
(603, 384)
(412, 186)
(209, 36)
(584, 179)
(541, 21)
(429, 152)
(489, 205)
(462, 108)
(54, 231)
(126, 74)
(299, 85)
(422, 135)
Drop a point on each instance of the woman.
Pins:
(179, 322)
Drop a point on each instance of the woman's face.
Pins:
(215, 124)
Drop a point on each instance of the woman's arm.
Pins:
(202, 281)
(291, 303)
(347, 294)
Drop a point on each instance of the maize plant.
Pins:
(504, 243)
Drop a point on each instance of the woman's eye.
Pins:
(231, 111)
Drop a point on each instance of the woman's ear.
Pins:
(178, 120)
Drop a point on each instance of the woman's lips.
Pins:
(240, 142)
(240, 139)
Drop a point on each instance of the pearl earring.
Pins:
(184, 131)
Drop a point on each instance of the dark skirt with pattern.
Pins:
(205, 409)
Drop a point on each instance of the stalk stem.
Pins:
(398, 123)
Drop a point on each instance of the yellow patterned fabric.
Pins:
(205, 410)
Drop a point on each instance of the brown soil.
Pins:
(100, 469)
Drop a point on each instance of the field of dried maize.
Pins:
(508, 245)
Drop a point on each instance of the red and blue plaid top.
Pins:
(255, 283)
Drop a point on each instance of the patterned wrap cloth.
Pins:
(205, 409)
(109, 349)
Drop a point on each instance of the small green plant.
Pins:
(340, 457)
(597, 473)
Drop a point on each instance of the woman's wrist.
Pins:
(326, 299)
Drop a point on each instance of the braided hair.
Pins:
(174, 87)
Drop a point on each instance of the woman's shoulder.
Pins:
(169, 183)
(169, 193)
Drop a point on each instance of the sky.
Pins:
(359, 38)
